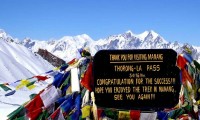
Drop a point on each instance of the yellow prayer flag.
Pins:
(57, 68)
(22, 84)
(69, 90)
(31, 87)
(86, 111)
(124, 115)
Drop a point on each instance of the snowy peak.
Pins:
(17, 62)
(153, 34)
(27, 43)
(148, 35)
(128, 34)
(4, 35)
(84, 37)
(129, 39)
(27, 40)
(143, 35)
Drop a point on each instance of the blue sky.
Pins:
(175, 20)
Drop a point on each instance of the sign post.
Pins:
(136, 79)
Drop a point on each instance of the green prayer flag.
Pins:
(19, 112)
(31, 83)
(43, 116)
(4, 87)
(32, 96)
(22, 118)
(113, 114)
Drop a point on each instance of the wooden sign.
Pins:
(146, 79)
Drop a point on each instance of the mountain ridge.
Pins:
(17, 62)
(66, 47)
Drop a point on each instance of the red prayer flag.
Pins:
(41, 78)
(55, 114)
(34, 108)
(34, 115)
(99, 112)
(135, 114)
(87, 80)
(181, 62)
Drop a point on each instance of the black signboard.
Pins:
(146, 79)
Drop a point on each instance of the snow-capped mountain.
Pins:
(17, 62)
(5, 36)
(67, 46)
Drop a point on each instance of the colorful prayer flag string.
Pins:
(58, 101)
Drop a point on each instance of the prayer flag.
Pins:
(49, 96)
(75, 80)
(148, 116)
(87, 80)
(135, 114)
(4, 87)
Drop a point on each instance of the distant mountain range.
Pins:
(66, 47)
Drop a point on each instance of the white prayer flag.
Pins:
(75, 83)
(50, 95)
(148, 116)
